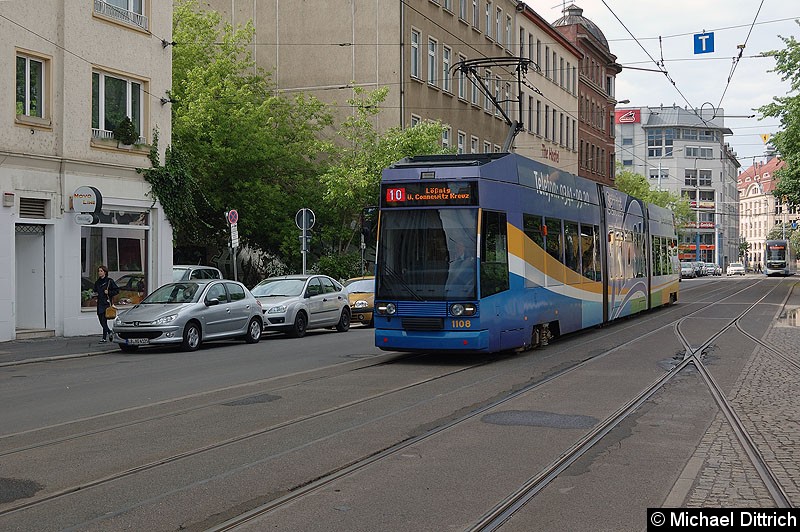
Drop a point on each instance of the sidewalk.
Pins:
(42, 349)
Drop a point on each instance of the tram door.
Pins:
(30, 299)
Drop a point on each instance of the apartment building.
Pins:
(684, 151)
(760, 210)
(596, 95)
(412, 47)
(72, 198)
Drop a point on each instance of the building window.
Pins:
(415, 120)
(120, 241)
(705, 178)
(498, 29)
(461, 142)
(487, 100)
(547, 122)
(432, 70)
(114, 98)
(462, 80)
(476, 15)
(127, 11)
(509, 42)
(547, 62)
(473, 145)
(446, 53)
(462, 9)
(706, 153)
(415, 58)
(487, 147)
(489, 19)
(446, 137)
(538, 126)
(31, 73)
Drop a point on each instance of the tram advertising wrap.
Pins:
(489, 252)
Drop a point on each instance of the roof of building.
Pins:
(574, 15)
(761, 174)
(675, 116)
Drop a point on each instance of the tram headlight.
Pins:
(462, 309)
(386, 308)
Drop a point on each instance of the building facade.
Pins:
(72, 199)
(760, 210)
(596, 95)
(412, 47)
(684, 151)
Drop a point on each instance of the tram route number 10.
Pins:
(395, 194)
(460, 324)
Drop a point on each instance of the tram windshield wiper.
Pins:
(398, 279)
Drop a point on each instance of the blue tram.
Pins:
(779, 258)
(492, 252)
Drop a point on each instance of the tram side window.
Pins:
(656, 251)
(572, 252)
(494, 253)
(532, 226)
(590, 254)
(554, 239)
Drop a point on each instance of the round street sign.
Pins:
(304, 217)
(233, 216)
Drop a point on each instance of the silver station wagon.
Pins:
(189, 313)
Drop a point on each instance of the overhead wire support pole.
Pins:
(470, 67)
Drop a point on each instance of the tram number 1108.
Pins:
(460, 324)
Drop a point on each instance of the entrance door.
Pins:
(30, 299)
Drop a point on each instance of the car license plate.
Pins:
(138, 341)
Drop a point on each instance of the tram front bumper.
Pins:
(401, 340)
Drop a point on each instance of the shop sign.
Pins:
(87, 199)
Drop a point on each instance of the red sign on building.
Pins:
(627, 116)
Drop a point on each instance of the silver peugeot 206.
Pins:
(189, 313)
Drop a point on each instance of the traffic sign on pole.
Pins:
(304, 219)
(233, 216)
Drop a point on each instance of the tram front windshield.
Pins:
(775, 255)
(427, 254)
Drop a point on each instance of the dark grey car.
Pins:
(189, 313)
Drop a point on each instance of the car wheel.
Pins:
(191, 337)
(254, 329)
(298, 330)
(344, 320)
(125, 348)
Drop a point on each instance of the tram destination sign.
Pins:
(417, 194)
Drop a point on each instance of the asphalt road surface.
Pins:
(328, 433)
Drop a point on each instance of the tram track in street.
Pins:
(300, 491)
(506, 509)
(516, 500)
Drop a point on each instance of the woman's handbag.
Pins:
(111, 312)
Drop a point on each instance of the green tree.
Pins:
(245, 146)
(787, 110)
(352, 179)
(636, 185)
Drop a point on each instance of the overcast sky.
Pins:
(700, 79)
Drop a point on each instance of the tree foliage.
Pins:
(787, 110)
(636, 185)
(245, 146)
(352, 180)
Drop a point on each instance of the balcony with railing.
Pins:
(123, 15)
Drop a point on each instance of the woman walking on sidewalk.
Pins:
(106, 289)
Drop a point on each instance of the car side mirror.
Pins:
(211, 302)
